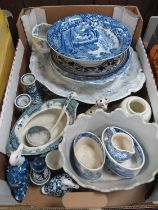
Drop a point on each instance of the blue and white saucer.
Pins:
(109, 70)
(88, 37)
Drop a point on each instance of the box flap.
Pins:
(8, 103)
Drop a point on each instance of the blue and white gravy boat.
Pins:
(129, 168)
(120, 145)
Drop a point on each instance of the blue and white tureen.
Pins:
(44, 115)
(88, 39)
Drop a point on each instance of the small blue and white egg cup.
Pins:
(29, 81)
(23, 102)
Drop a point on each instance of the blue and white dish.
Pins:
(130, 81)
(129, 168)
(89, 155)
(119, 145)
(42, 115)
(89, 39)
(59, 185)
(39, 174)
(108, 70)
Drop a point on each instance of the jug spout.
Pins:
(39, 38)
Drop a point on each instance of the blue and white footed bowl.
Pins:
(131, 167)
(110, 69)
(88, 39)
(126, 150)
(89, 155)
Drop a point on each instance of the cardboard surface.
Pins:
(34, 196)
(53, 13)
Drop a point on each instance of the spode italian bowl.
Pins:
(88, 39)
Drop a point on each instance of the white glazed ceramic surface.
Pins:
(123, 142)
(96, 123)
(131, 80)
(54, 160)
(119, 145)
(137, 105)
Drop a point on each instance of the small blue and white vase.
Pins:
(39, 174)
(59, 185)
(29, 81)
(17, 174)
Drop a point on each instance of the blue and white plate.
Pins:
(89, 92)
(89, 37)
(109, 69)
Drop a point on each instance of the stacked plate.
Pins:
(90, 55)
(89, 47)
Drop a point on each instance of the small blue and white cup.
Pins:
(29, 81)
(23, 102)
(89, 155)
(119, 145)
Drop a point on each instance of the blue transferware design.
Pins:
(17, 174)
(40, 174)
(89, 37)
(59, 185)
(14, 139)
(115, 153)
(30, 83)
(110, 69)
(117, 167)
(89, 174)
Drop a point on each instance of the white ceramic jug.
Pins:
(137, 105)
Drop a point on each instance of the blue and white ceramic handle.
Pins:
(108, 135)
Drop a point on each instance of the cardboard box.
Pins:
(34, 197)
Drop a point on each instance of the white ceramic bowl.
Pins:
(146, 133)
(54, 160)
